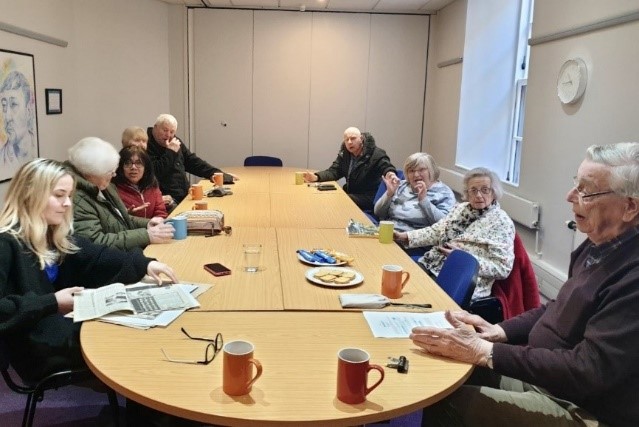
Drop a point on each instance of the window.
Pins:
(493, 88)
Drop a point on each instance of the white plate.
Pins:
(323, 264)
(356, 280)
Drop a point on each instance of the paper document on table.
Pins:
(133, 299)
(393, 324)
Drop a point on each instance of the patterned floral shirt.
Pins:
(488, 235)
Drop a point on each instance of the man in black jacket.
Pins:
(362, 163)
(172, 159)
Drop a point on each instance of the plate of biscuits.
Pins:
(334, 277)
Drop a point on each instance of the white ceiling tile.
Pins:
(357, 5)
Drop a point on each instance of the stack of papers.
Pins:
(399, 324)
(142, 305)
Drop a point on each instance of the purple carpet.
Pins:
(66, 407)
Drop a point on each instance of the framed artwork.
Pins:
(18, 112)
(53, 100)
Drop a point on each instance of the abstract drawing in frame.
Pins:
(18, 113)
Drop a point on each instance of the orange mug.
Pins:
(218, 179)
(393, 281)
(200, 206)
(237, 376)
(353, 366)
(196, 192)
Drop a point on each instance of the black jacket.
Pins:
(171, 168)
(363, 181)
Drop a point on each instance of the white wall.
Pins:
(113, 74)
(555, 136)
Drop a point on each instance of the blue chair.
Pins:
(263, 161)
(35, 391)
(380, 190)
(458, 276)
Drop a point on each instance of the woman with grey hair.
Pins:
(478, 226)
(98, 212)
(419, 200)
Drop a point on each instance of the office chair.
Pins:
(263, 161)
(513, 295)
(35, 390)
(458, 276)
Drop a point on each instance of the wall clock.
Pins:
(572, 80)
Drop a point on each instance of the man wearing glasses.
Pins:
(573, 361)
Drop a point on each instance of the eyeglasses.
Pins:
(137, 163)
(420, 171)
(212, 349)
(484, 190)
(586, 197)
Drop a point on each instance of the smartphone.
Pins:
(326, 187)
(217, 269)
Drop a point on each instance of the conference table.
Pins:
(297, 327)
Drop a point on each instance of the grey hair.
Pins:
(623, 160)
(93, 156)
(495, 182)
(424, 160)
(166, 119)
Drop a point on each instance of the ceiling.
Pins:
(423, 7)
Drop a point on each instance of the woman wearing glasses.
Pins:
(137, 186)
(419, 200)
(478, 226)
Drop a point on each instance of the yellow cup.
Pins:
(386, 231)
(299, 178)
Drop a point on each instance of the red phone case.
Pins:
(224, 272)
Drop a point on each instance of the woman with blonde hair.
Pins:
(42, 265)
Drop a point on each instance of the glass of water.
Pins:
(252, 257)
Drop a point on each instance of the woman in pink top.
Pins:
(136, 184)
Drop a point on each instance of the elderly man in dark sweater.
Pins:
(574, 361)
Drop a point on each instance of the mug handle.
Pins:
(406, 279)
(258, 367)
(374, 386)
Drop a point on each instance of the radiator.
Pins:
(522, 211)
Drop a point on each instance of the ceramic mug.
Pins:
(200, 206)
(196, 192)
(218, 179)
(179, 224)
(238, 363)
(393, 280)
(299, 178)
(386, 231)
(353, 366)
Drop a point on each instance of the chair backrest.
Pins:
(458, 276)
(263, 161)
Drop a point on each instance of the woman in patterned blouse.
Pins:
(478, 226)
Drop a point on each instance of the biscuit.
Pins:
(348, 274)
(328, 278)
(321, 273)
(343, 279)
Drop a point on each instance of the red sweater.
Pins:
(132, 197)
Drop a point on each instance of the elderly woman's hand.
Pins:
(392, 183)
(161, 233)
(461, 343)
(156, 268)
(400, 237)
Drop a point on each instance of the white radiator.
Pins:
(524, 212)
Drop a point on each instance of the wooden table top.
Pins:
(299, 356)
(370, 255)
(271, 308)
(239, 290)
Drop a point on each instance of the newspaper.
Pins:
(357, 229)
(143, 300)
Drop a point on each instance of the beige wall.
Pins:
(113, 73)
(555, 136)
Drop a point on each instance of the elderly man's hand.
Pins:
(460, 343)
(173, 144)
(310, 177)
(161, 233)
(487, 331)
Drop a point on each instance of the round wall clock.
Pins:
(572, 80)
